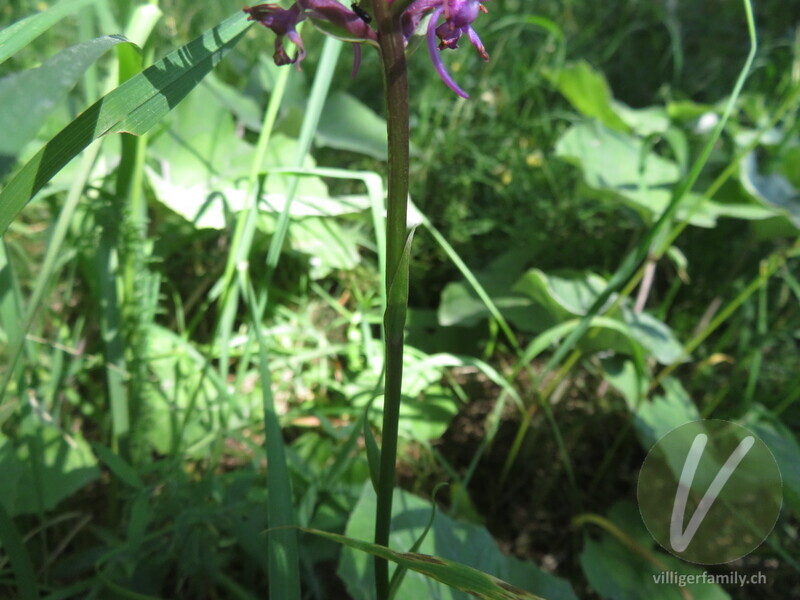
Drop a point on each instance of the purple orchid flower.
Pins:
(283, 22)
(458, 18)
(349, 25)
(344, 24)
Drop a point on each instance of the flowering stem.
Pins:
(392, 45)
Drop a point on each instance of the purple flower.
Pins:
(282, 22)
(458, 18)
(346, 24)
(333, 17)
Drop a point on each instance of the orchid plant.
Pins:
(389, 26)
(354, 25)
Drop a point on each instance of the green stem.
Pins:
(395, 71)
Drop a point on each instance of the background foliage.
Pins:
(137, 369)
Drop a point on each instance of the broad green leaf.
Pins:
(426, 417)
(790, 165)
(347, 124)
(203, 169)
(655, 336)
(314, 200)
(467, 559)
(662, 414)
(771, 189)
(29, 96)
(540, 302)
(202, 163)
(427, 407)
(485, 293)
(564, 294)
(617, 572)
(696, 209)
(643, 121)
(621, 163)
(621, 372)
(587, 90)
(784, 446)
(460, 305)
(45, 466)
(18, 35)
(613, 159)
(328, 245)
(685, 110)
(134, 107)
(568, 294)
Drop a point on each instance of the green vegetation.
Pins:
(191, 306)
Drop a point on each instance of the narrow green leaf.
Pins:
(118, 466)
(29, 96)
(284, 571)
(373, 452)
(468, 275)
(398, 293)
(400, 572)
(11, 542)
(142, 22)
(537, 21)
(18, 35)
(12, 314)
(134, 107)
(453, 574)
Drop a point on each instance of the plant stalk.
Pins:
(395, 74)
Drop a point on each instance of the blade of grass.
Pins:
(134, 107)
(469, 276)
(316, 102)
(284, 572)
(450, 573)
(111, 331)
(12, 315)
(768, 269)
(28, 97)
(18, 35)
(229, 302)
(246, 223)
(400, 572)
(47, 272)
(20, 560)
